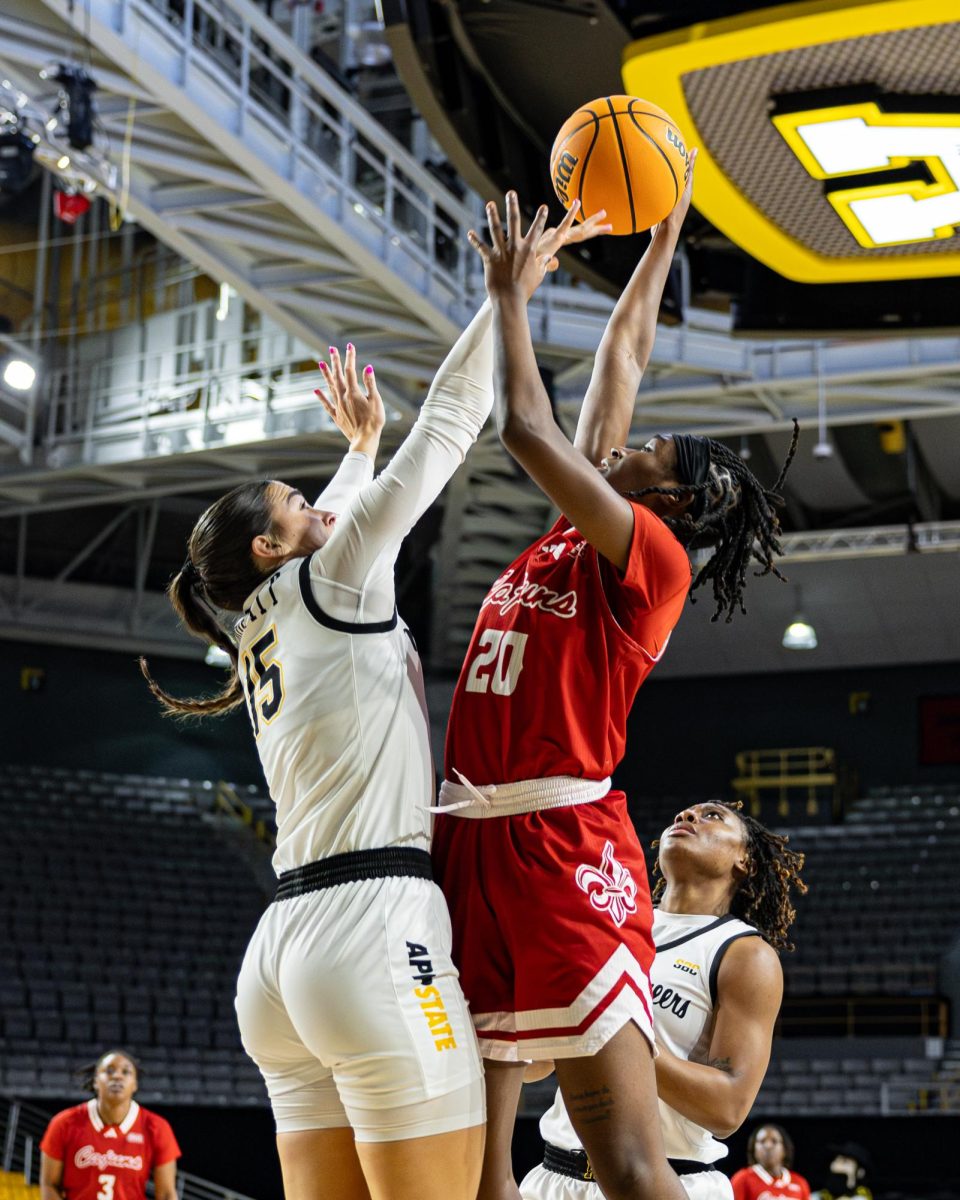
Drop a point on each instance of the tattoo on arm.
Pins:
(591, 1106)
(722, 1064)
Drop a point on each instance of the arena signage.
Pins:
(861, 139)
(821, 190)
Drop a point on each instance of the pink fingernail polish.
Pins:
(322, 366)
(368, 370)
(349, 345)
(333, 349)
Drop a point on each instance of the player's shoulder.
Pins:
(655, 545)
(67, 1121)
(748, 953)
(152, 1120)
(76, 1114)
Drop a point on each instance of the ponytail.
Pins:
(219, 573)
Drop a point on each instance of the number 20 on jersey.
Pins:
(497, 665)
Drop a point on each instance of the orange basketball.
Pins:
(622, 154)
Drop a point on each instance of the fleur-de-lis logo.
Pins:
(611, 888)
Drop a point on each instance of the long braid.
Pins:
(763, 899)
(740, 520)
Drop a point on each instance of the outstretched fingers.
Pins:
(563, 229)
(480, 246)
(537, 226)
(495, 226)
(514, 236)
(350, 368)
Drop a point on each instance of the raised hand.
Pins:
(676, 217)
(567, 233)
(512, 263)
(354, 407)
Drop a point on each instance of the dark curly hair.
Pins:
(763, 898)
(87, 1074)
(785, 1137)
(737, 516)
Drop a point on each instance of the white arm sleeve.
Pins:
(356, 564)
(354, 472)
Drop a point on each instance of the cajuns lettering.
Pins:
(86, 1156)
(430, 999)
(506, 596)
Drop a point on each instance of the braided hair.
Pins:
(734, 513)
(763, 898)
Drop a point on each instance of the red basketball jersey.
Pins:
(754, 1183)
(108, 1162)
(562, 644)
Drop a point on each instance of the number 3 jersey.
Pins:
(562, 644)
(108, 1162)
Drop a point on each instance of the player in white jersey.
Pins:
(347, 998)
(724, 911)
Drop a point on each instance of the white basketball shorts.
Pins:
(350, 1005)
(541, 1184)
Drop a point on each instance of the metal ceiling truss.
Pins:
(235, 149)
(221, 138)
(62, 610)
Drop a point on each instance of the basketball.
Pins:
(622, 154)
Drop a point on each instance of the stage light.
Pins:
(76, 97)
(216, 657)
(799, 634)
(63, 162)
(19, 375)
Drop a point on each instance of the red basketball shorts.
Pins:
(552, 925)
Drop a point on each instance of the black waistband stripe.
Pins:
(575, 1164)
(390, 861)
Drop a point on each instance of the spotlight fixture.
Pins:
(19, 374)
(216, 657)
(799, 634)
(76, 101)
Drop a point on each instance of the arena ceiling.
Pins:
(95, 506)
(863, 236)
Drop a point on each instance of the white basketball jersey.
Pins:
(340, 719)
(683, 982)
(332, 679)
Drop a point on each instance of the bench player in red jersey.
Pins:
(769, 1177)
(547, 889)
(109, 1147)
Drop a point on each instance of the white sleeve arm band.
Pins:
(457, 405)
(354, 472)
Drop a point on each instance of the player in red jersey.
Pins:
(768, 1177)
(109, 1147)
(549, 902)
